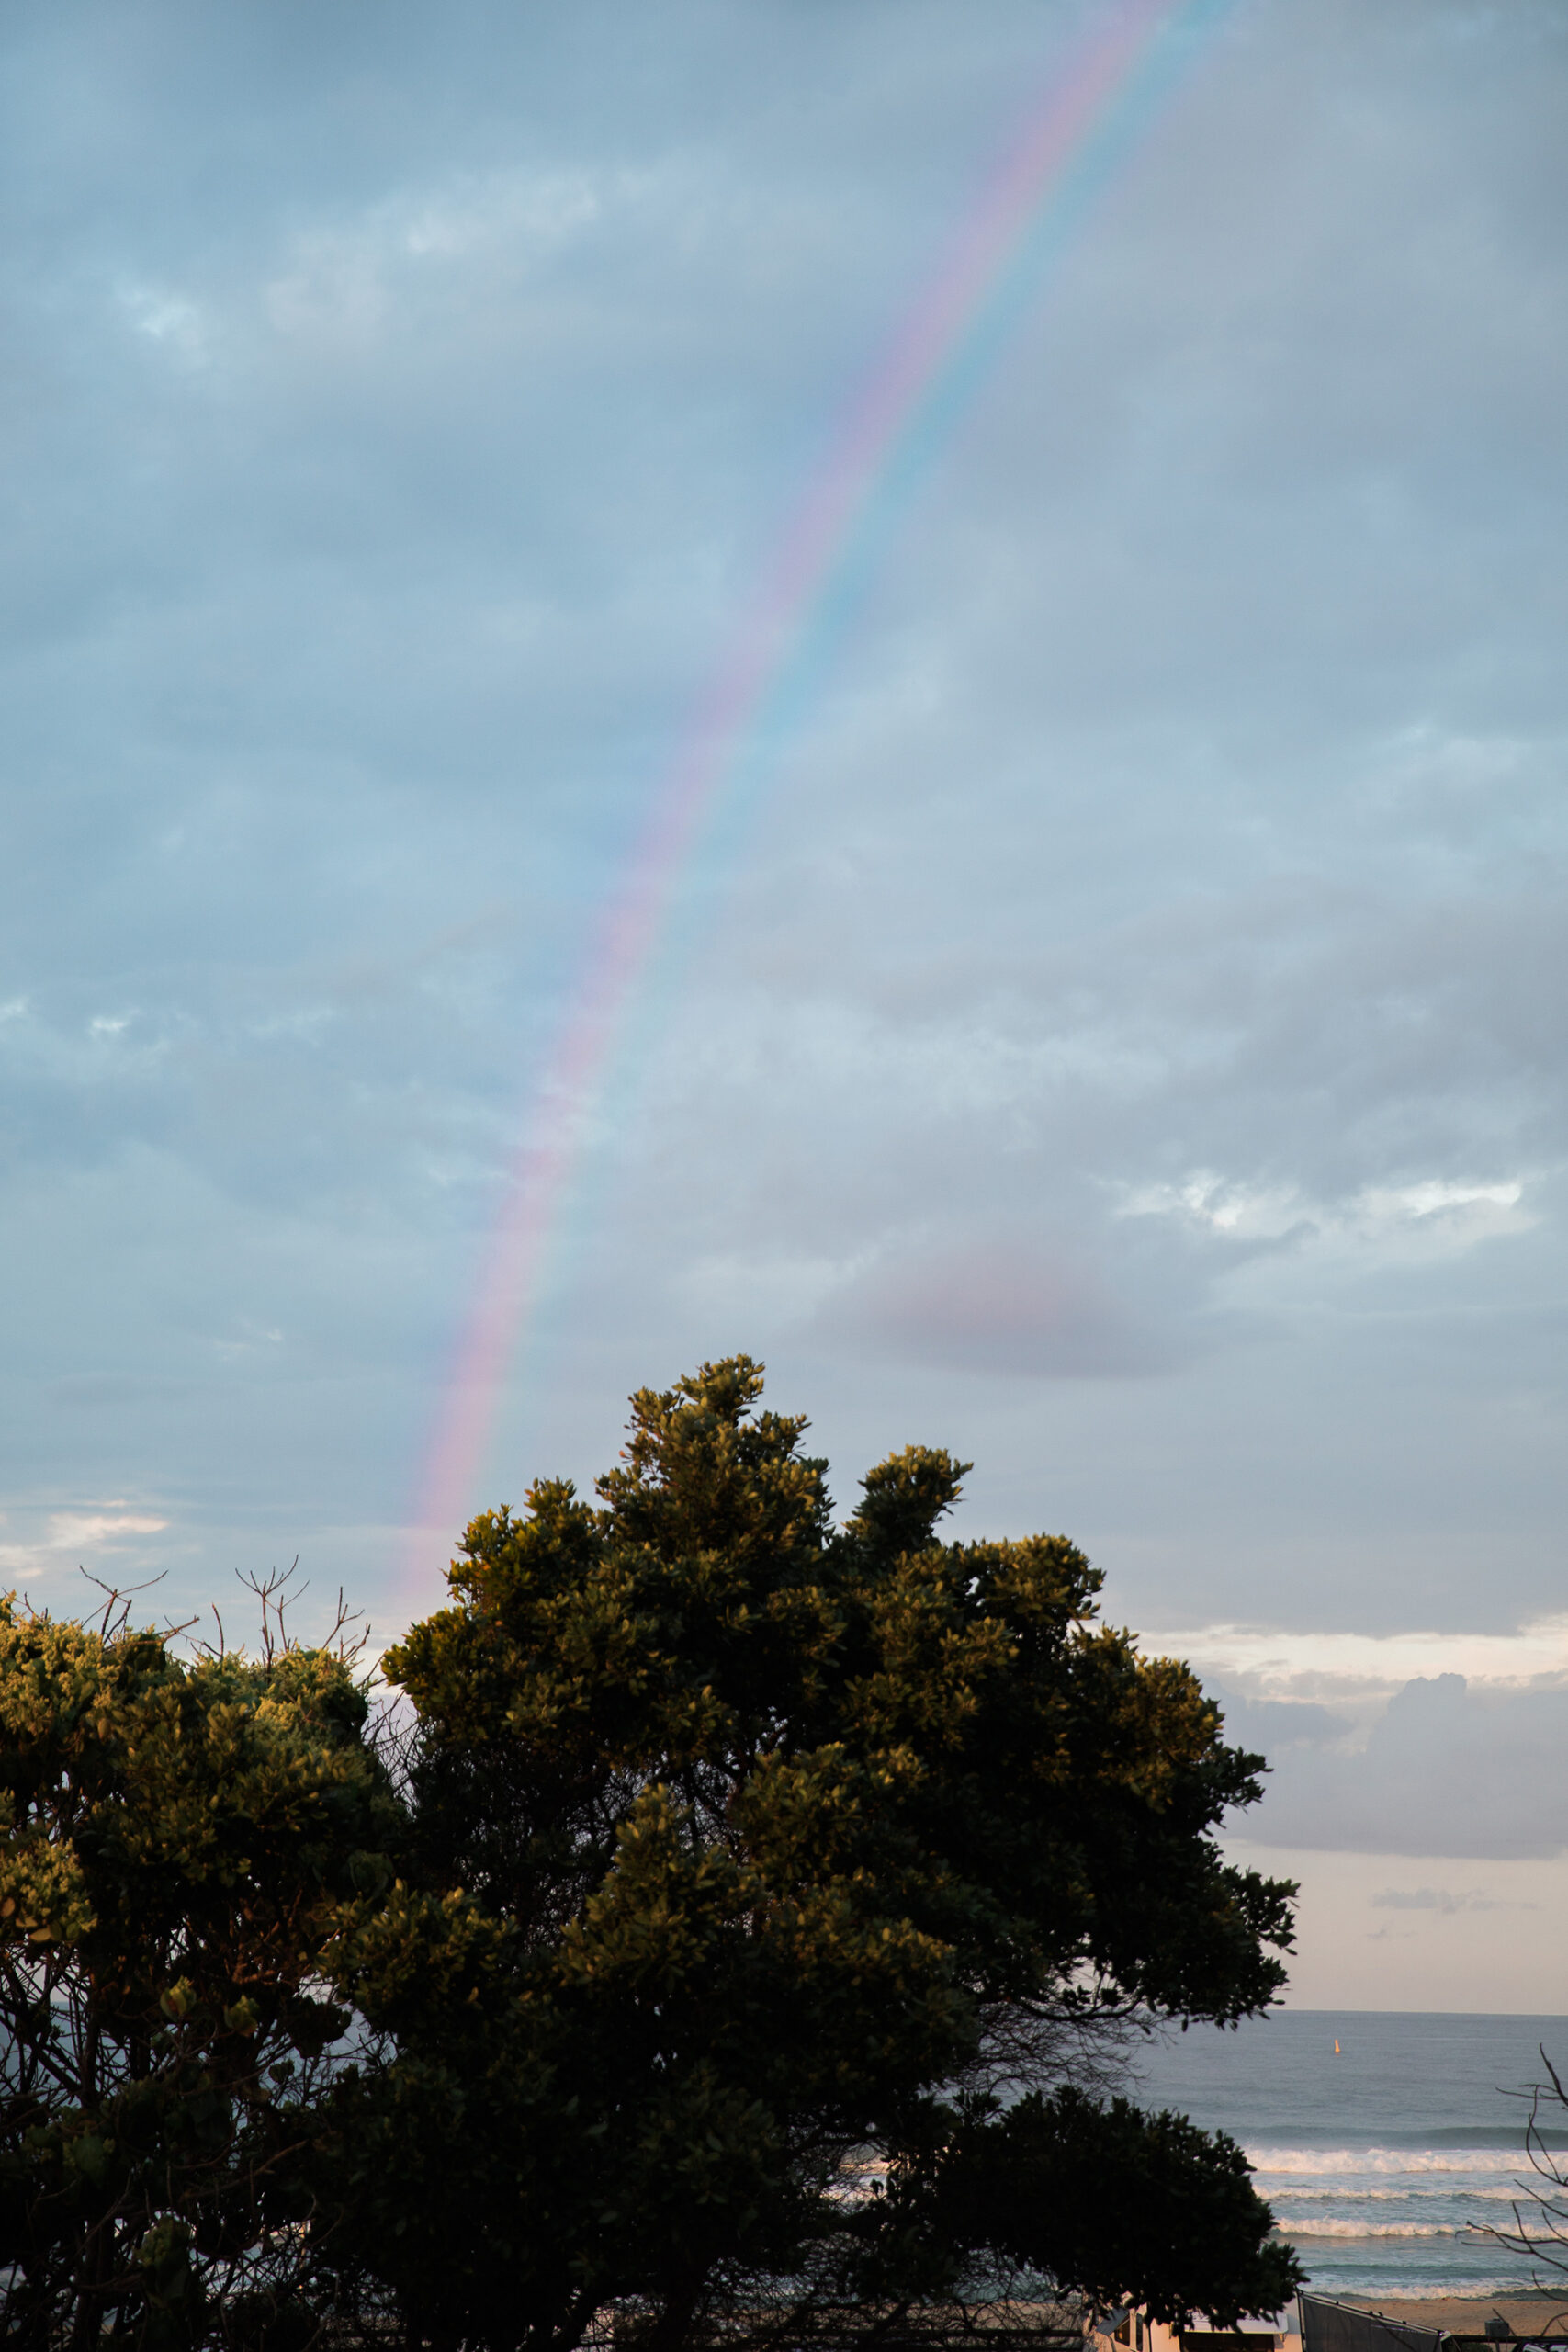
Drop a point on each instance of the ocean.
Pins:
(1383, 2163)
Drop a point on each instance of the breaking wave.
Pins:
(1316, 2226)
(1357, 2163)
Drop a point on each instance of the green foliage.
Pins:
(181, 1843)
(1127, 2207)
(748, 1936)
(805, 1871)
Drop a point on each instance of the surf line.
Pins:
(1079, 131)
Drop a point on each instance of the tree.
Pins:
(786, 1888)
(180, 1843)
(1540, 2211)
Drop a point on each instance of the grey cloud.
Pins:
(1440, 1898)
(1447, 1770)
(398, 425)
(996, 1306)
(1267, 1725)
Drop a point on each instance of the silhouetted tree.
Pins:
(177, 1841)
(782, 1889)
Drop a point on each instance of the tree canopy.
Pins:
(821, 1868)
(745, 1939)
(177, 1844)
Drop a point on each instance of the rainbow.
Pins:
(1078, 131)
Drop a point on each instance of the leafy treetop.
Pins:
(816, 1854)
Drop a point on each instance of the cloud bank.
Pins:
(1114, 1030)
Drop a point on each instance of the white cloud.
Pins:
(248, 1338)
(349, 280)
(169, 318)
(1423, 760)
(1207, 1200)
(528, 214)
(1268, 1663)
(68, 1529)
(75, 1536)
(1430, 1215)
(1437, 1215)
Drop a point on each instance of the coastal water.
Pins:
(1384, 2163)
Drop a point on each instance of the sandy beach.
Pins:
(1468, 2314)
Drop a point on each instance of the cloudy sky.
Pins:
(1111, 1024)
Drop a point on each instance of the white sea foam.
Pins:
(1457, 2283)
(1355, 2163)
(1320, 2226)
(1392, 2195)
